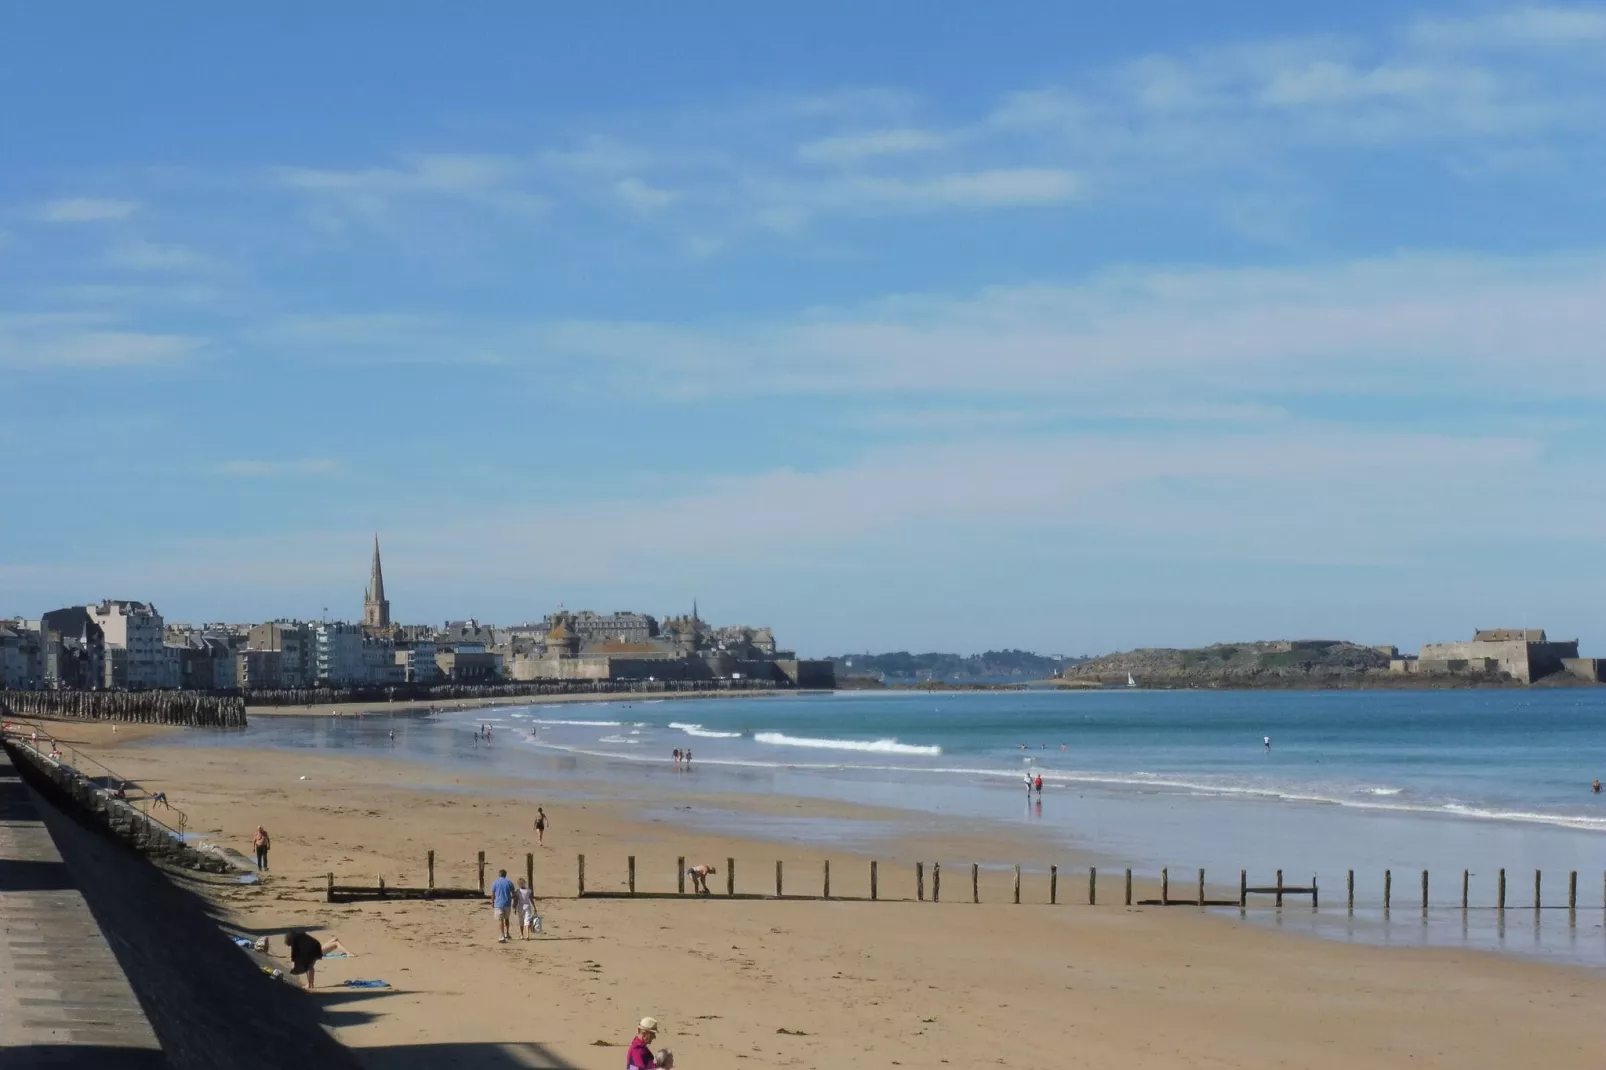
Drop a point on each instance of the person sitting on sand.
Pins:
(305, 951)
(640, 1055)
(699, 875)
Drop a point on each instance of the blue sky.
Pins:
(896, 325)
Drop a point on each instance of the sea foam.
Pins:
(877, 746)
(704, 733)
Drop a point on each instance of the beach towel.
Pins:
(365, 984)
(243, 941)
(336, 955)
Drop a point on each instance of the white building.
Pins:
(379, 662)
(136, 656)
(418, 661)
(338, 653)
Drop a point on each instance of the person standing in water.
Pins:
(1038, 784)
(1267, 741)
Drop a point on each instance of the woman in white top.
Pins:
(524, 900)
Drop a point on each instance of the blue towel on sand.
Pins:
(241, 941)
(365, 984)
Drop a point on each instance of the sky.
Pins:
(895, 325)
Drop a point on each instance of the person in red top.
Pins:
(641, 1056)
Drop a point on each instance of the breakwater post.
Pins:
(201, 709)
(872, 881)
(730, 876)
(975, 882)
(680, 875)
(1466, 878)
(1502, 898)
(1388, 889)
(777, 878)
(1128, 887)
(826, 891)
(631, 878)
(580, 877)
(529, 869)
(936, 882)
(920, 882)
(1017, 884)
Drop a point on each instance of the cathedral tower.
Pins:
(375, 606)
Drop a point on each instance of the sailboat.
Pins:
(1130, 682)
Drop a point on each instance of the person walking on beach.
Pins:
(524, 902)
(687, 754)
(640, 1056)
(1038, 783)
(540, 827)
(677, 757)
(699, 875)
(260, 842)
(502, 892)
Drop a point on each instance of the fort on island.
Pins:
(126, 645)
(1523, 654)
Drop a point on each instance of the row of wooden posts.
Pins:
(1278, 890)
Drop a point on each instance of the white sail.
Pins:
(1130, 682)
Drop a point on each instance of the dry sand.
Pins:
(816, 984)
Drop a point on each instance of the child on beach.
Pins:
(699, 878)
(524, 901)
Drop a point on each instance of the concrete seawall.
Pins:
(210, 1005)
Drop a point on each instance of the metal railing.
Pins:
(78, 759)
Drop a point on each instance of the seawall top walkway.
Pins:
(64, 1000)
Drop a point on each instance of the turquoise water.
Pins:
(1365, 781)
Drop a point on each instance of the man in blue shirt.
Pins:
(502, 901)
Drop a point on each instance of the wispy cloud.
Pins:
(857, 147)
(642, 198)
(70, 340)
(154, 256)
(86, 210)
(272, 469)
(497, 183)
(1517, 27)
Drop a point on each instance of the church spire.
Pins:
(375, 607)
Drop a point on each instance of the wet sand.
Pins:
(813, 984)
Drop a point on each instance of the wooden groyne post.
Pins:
(1536, 889)
(630, 880)
(1129, 887)
(1424, 891)
(580, 864)
(936, 882)
(730, 876)
(1201, 888)
(1572, 890)
(1279, 889)
(1388, 888)
(778, 892)
(429, 867)
(1466, 889)
(1350, 891)
(482, 872)
(1017, 884)
(529, 871)
(873, 895)
(920, 882)
(680, 874)
(1165, 888)
(975, 882)
(1243, 889)
(826, 891)
(1502, 892)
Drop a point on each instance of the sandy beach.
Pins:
(808, 984)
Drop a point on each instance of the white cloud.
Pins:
(1002, 188)
(857, 147)
(305, 466)
(86, 210)
(642, 198)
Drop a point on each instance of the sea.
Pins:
(1317, 784)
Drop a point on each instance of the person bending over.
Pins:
(699, 878)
